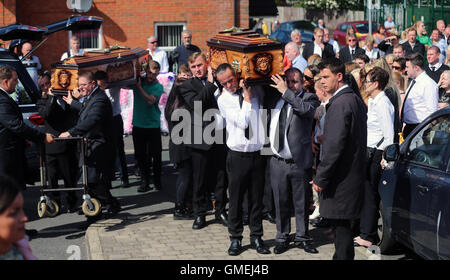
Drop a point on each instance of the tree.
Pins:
(331, 4)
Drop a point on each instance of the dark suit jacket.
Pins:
(436, 75)
(299, 126)
(95, 123)
(57, 120)
(341, 173)
(13, 132)
(385, 47)
(345, 55)
(418, 48)
(327, 52)
(191, 91)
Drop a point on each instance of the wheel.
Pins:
(53, 210)
(91, 212)
(41, 208)
(386, 240)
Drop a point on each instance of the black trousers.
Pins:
(290, 188)
(218, 178)
(184, 181)
(343, 239)
(119, 145)
(201, 166)
(245, 173)
(369, 214)
(147, 148)
(268, 200)
(63, 166)
(408, 129)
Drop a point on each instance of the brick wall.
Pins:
(129, 23)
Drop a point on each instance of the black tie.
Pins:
(432, 68)
(241, 100)
(282, 126)
(404, 101)
(353, 53)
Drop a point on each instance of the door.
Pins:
(424, 180)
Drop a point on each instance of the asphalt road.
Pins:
(63, 237)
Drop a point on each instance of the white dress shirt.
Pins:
(380, 122)
(300, 63)
(335, 45)
(114, 96)
(317, 49)
(237, 120)
(372, 54)
(71, 54)
(273, 133)
(161, 57)
(421, 101)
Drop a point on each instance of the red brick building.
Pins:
(129, 23)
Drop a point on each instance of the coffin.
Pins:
(255, 57)
(122, 66)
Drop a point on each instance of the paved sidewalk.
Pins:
(159, 237)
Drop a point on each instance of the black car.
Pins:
(26, 97)
(283, 32)
(415, 190)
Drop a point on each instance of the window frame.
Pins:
(100, 40)
(167, 23)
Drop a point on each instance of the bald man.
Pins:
(32, 63)
(293, 54)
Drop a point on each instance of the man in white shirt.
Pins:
(380, 134)
(389, 24)
(421, 97)
(318, 47)
(292, 160)
(327, 39)
(293, 54)
(157, 54)
(74, 49)
(32, 63)
(241, 107)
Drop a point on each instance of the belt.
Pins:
(245, 154)
(288, 161)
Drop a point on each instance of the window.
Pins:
(428, 146)
(90, 39)
(169, 34)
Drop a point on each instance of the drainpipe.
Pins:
(235, 12)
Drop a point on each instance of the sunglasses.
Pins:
(396, 67)
(154, 42)
(352, 40)
(308, 78)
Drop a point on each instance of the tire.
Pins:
(386, 240)
(52, 212)
(41, 209)
(91, 212)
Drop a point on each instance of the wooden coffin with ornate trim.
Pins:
(255, 57)
(122, 65)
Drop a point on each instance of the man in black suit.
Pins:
(435, 69)
(61, 157)
(412, 45)
(348, 53)
(292, 159)
(388, 44)
(325, 50)
(94, 123)
(14, 131)
(198, 96)
(341, 173)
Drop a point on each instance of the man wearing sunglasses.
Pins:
(349, 52)
(157, 54)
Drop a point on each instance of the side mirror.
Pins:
(392, 152)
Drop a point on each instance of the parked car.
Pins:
(415, 190)
(361, 28)
(283, 32)
(27, 96)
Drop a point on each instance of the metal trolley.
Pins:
(49, 207)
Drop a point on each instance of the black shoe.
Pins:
(199, 223)
(31, 233)
(144, 188)
(125, 184)
(307, 246)
(258, 244)
(245, 220)
(281, 247)
(269, 217)
(222, 219)
(235, 247)
(181, 213)
(320, 222)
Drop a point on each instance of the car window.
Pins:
(303, 25)
(343, 27)
(429, 145)
(364, 27)
(284, 27)
(21, 96)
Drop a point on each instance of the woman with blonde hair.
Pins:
(314, 59)
(372, 52)
(444, 82)
(422, 34)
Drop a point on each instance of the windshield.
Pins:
(303, 25)
(364, 27)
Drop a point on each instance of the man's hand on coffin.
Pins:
(280, 84)
(247, 90)
(68, 99)
(64, 135)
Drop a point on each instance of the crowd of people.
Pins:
(308, 145)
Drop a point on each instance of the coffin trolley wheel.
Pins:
(91, 207)
(52, 210)
(41, 208)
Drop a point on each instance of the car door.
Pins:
(444, 215)
(422, 179)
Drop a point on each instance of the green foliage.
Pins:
(331, 4)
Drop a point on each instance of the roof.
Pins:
(260, 8)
